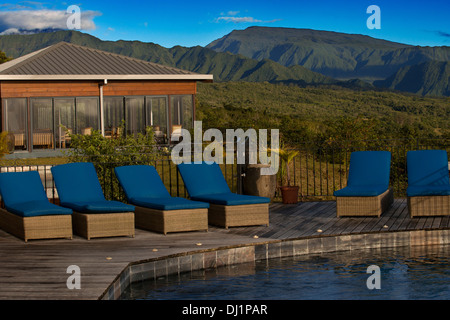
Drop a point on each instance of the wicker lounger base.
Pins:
(237, 216)
(429, 206)
(33, 228)
(165, 221)
(99, 225)
(364, 206)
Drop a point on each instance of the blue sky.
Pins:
(191, 23)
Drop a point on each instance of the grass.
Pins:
(33, 162)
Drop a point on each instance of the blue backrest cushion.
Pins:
(203, 178)
(18, 187)
(77, 182)
(369, 168)
(427, 167)
(141, 181)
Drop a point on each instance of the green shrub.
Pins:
(106, 154)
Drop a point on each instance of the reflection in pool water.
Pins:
(405, 274)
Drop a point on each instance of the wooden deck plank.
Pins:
(311, 223)
(38, 269)
(288, 218)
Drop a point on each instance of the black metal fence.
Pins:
(318, 170)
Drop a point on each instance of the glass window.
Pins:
(156, 111)
(64, 121)
(42, 123)
(134, 114)
(16, 121)
(87, 115)
(113, 115)
(182, 113)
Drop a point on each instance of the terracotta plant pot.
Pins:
(289, 194)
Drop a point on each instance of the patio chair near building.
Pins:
(93, 216)
(367, 192)
(155, 208)
(428, 189)
(205, 182)
(27, 212)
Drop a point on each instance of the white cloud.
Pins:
(231, 16)
(237, 19)
(22, 21)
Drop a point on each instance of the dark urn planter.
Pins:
(289, 194)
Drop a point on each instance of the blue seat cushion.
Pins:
(231, 199)
(360, 191)
(428, 168)
(418, 191)
(77, 182)
(99, 206)
(203, 179)
(141, 181)
(369, 168)
(16, 187)
(169, 203)
(37, 208)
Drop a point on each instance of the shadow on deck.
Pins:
(38, 269)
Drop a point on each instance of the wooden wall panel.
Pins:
(21, 89)
(141, 88)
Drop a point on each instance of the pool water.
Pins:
(404, 274)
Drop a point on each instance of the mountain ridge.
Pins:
(337, 55)
(224, 66)
(325, 58)
(428, 78)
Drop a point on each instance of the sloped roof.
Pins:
(66, 61)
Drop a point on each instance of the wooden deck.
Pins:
(38, 269)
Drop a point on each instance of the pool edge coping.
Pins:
(277, 248)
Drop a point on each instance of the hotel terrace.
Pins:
(82, 89)
(69, 88)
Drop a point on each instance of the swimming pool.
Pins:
(407, 273)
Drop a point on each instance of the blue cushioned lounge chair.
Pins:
(205, 182)
(155, 208)
(367, 192)
(28, 214)
(428, 183)
(79, 189)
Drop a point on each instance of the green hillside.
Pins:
(429, 78)
(337, 55)
(224, 66)
(278, 55)
(322, 113)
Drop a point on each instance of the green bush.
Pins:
(106, 154)
(5, 144)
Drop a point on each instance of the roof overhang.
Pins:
(186, 77)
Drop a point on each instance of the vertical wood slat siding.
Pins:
(21, 89)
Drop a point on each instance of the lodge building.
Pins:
(69, 88)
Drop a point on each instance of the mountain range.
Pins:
(299, 56)
(345, 56)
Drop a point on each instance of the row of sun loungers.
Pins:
(368, 193)
(83, 209)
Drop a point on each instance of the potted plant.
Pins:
(289, 193)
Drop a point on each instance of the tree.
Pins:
(4, 58)
(5, 144)
(106, 154)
